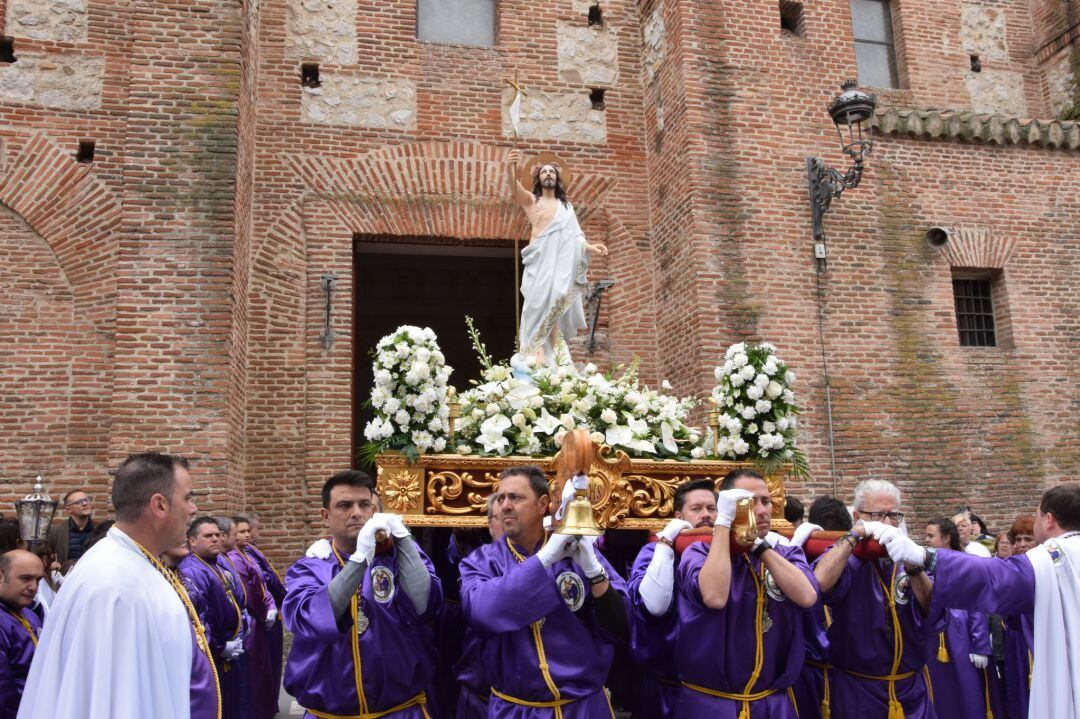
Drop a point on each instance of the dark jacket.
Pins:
(59, 538)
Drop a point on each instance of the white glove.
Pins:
(547, 523)
(979, 660)
(584, 553)
(365, 543)
(271, 617)
(901, 548)
(320, 549)
(397, 527)
(558, 546)
(233, 649)
(673, 528)
(803, 532)
(725, 505)
(870, 529)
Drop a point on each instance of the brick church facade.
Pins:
(184, 185)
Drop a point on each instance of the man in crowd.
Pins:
(122, 637)
(654, 618)
(547, 613)
(224, 617)
(261, 693)
(276, 586)
(20, 573)
(70, 537)
(879, 642)
(730, 604)
(362, 644)
(794, 512)
(1045, 580)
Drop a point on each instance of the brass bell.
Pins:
(574, 460)
(578, 521)
(744, 525)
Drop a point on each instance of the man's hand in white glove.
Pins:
(673, 528)
(901, 548)
(271, 617)
(584, 553)
(233, 648)
(868, 529)
(979, 660)
(725, 505)
(365, 543)
(803, 532)
(397, 527)
(558, 546)
(319, 550)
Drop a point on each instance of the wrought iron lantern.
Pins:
(35, 512)
(850, 110)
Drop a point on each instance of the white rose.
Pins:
(697, 452)
(740, 447)
(773, 390)
(568, 420)
(439, 444)
(782, 424)
(740, 360)
(747, 372)
(492, 409)
(737, 380)
(463, 449)
(748, 413)
(763, 406)
(789, 396)
(761, 380)
(754, 392)
(518, 420)
(402, 418)
(392, 404)
(597, 437)
(768, 426)
(590, 368)
(609, 416)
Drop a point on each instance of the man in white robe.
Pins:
(1045, 580)
(555, 262)
(119, 643)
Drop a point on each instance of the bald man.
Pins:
(20, 572)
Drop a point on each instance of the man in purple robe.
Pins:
(654, 619)
(263, 612)
(204, 695)
(740, 640)
(224, 618)
(362, 641)
(879, 641)
(548, 613)
(20, 572)
(276, 586)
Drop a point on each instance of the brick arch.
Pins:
(75, 212)
(977, 247)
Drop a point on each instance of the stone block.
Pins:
(56, 20)
(997, 92)
(982, 32)
(1061, 83)
(65, 81)
(566, 116)
(588, 55)
(321, 30)
(348, 98)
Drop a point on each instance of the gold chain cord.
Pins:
(228, 592)
(358, 668)
(25, 624)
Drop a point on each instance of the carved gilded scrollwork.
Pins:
(447, 486)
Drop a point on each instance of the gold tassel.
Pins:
(896, 709)
(825, 713)
(744, 713)
(942, 652)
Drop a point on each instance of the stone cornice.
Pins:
(976, 127)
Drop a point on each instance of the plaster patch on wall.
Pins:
(321, 30)
(982, 32)
(997, 92)
(347, 98)
(566, 115)
(63, 81)
(56, 20)
(1061, 83)
(588, 55)
(652, 41)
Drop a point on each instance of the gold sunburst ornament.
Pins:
(401, 490)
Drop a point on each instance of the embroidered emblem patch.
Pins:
(1054, 551)
(362, 622)
(382, 584)
(571, 589)
(902, 593)
(772, 588)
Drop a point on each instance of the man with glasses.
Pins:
(879, 641)
(70, 537)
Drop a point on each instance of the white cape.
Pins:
(1055, 675)
(116, 644)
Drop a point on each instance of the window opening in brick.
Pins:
(309, 74)
(875, 51)
(457, 22)
(85, 152)
(596, 15)
(596, 97)
(7, 49)
(974, 312)
(976, 63)
(791, 17)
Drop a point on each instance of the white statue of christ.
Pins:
(555, 262)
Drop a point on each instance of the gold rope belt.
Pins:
(885, 678)
(418, 700)
(526, 703)
(746, 699)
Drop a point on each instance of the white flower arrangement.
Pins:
(409, 397)
(757, 408)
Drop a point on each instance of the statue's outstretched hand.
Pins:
(514, 156)
(596, 249)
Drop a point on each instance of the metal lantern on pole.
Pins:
(35, 512)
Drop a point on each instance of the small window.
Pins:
(791, 17)
(975, 312)
(85, 153)
(459, 22)
(309, 74)
(7, 50)
(875, 52)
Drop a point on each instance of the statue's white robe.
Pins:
(1055, 676)
(116, 644)
(555, 276)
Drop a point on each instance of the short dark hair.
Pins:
(241, 518)
(741, 473)
(1063, 501)
(9, 535)
(976, 519)
(830, 514)
(537, 479)
(139, 478)
(793, 509)
(346, 478)
(688, 487)
(198, 522)
(948, 530)
(67, 495)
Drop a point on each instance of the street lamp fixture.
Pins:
(849, 110)
(35, 512)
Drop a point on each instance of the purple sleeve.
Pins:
(983, 584)
(10, 687)
(797, 557)
(307, 611)
(506, 603)
(840, 590)
(979, 630)
(686, 574)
